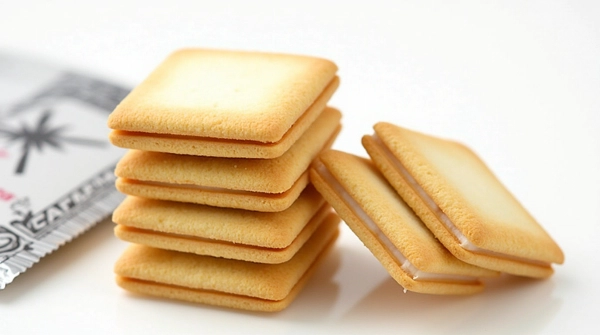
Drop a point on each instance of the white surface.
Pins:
(518, 82)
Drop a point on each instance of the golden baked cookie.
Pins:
(461, 201)
(221, 232)
(224, 103)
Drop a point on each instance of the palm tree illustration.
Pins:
(41, 136)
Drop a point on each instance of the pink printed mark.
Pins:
(3, 153)
(5, 195)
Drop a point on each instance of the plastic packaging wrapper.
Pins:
(56, 163)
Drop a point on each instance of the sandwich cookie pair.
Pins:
(463, 204)
(389, 228)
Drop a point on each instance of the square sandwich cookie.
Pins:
(224, 282)
(221, 232)
(224, 104)
(461, 201)
(266, 185)
(389, 228)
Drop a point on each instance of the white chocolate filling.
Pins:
(396, 254)
(441, 216)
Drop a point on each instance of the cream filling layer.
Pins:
(392, 250)
(441, 216)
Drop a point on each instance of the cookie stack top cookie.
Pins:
(224, 104)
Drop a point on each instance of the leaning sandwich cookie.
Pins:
(224, 103)
(460, 200)
(388, 227)
(223, 282)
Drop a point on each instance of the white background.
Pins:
(517, 81)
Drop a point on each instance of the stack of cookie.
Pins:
(220, 209)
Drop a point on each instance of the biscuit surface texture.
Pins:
(503, 234)
(249, 96)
